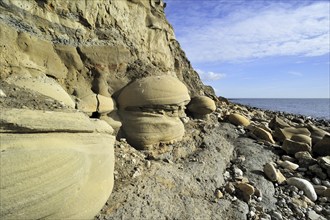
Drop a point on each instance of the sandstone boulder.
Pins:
(277, 122)
(201, 105)
(262, 134)
(150, 109)
(281, 134)
(292, 147)
(54, 165)
(302, 138)
(145, 129)
(154, 91)
(238, 119)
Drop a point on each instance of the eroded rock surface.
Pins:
(54, 165)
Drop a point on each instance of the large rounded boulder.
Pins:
(150, 109)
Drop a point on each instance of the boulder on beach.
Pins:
(292, 147)
(150, 109)
(201, 105)
(277, 122)
(281, 134)
(238, 119)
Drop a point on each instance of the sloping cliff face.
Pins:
(91, 46)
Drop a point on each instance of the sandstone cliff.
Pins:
(98, 45)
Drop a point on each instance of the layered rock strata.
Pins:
(54, 165)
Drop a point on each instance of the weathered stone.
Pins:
(316, 133)
(238, 119)
(146, 129)
(324, 162)
(44, 85)
(281, 134)
(37, 121)
(154, 91)
(302, 138)
(201, 105)
(54, 165)
(289, 165)
(96, 103)
(304, 185)
(273, 174)
(150, 109)
(277, 122)
(292, 147)
(263, 134)
(322, 148)
(319, 189)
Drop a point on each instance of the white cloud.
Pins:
(246, 32)
(295, 73)
(210, 76)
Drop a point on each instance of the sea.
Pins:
(315, 108)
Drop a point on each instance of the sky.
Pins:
(256, 48)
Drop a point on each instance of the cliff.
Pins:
(91, 45)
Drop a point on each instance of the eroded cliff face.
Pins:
(64, 63)
(91, 46)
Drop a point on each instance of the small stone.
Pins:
(238, 172)
(252, 213)
(326, 193)
(288, 158)
(316, 181)
(226, 175)
(230, 188)
(323, 199)
(289, 165)
(218, 194)
(299, 202)
(318, 209)
(317, 170)
(246, 188)
(257, 193)
(312, 215)
(276, 215)
(326, 183)
(273, 174)
(304, 185)
(319, 189)
(292, 147)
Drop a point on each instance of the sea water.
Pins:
(316, 108)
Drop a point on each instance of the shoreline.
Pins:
(319, 121)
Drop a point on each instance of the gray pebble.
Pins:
(316, 181)
(326, 183)
(276, 216)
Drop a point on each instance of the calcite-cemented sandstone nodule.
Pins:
(150, 109)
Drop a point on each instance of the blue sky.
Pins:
(256, 48)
